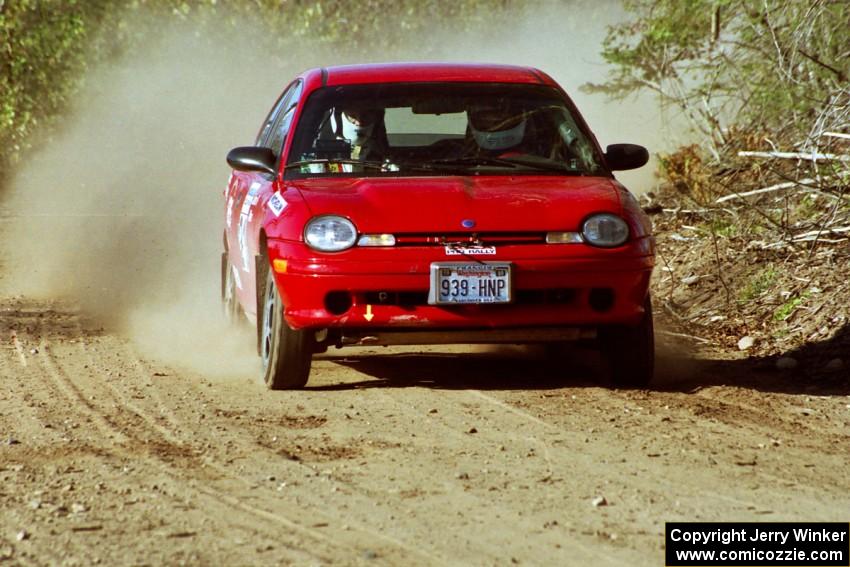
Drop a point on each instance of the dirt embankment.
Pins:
(730, 279)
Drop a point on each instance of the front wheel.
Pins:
(286, 353)
(630, 351)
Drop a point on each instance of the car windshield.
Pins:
(439, 129)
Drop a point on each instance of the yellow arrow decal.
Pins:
(368, 314)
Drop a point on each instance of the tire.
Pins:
(630, 351)
(229, 302)
(286, 353)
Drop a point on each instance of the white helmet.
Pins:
(356, 126)
(496, 127)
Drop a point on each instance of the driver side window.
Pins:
(280, 126)
(263, 135)
(283, 101)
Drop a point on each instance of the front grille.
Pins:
(465, 238)
(545, 296)
(402, 298)
(521, 297)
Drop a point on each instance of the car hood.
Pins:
(440, 204)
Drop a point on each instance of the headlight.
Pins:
(330, 233)
(605, 230)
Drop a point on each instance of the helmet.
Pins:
(496, 125)
(356, 124)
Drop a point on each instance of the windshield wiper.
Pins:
(473, 160)
(544, 164)
(382, 166)
(385, 166)
(520, 161)
(436, 165)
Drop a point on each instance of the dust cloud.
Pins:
(122, 212)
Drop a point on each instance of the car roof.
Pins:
(426, 72)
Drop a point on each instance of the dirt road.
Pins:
(391, 457)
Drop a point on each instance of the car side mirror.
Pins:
(252, 158)
(626, 156)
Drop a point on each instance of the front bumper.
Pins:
(554, 285)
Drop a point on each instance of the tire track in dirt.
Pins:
(85, 432)
(684, 425)
(127, 437)
(463, 433)
(320, 518)
(374, 460)
(25, 403)
(490, 437)
(689, 496)
(353, 502)
(547, 452)
(123, 400)
(761, 421)
(172, 437)
(702, 483)
(451, 423)
(67, 389)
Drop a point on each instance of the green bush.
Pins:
(771, 66)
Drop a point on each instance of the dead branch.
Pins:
(838, 73)
(777, 187)
(719, 265)
(811, 156)
(684, 336)
(686, 211)
(821, 240)
(815, 233)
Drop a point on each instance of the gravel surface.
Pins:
(438, 456)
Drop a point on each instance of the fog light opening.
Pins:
(338, 302)
(601, 299)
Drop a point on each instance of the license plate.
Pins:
(454, 283)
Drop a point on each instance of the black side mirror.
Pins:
(626, 156)
(252, 158)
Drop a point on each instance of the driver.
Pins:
(496, 125)
(364, 128)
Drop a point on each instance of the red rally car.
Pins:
(426, 203)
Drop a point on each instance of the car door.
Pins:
(248, 193)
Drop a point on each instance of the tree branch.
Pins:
(838, 73)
